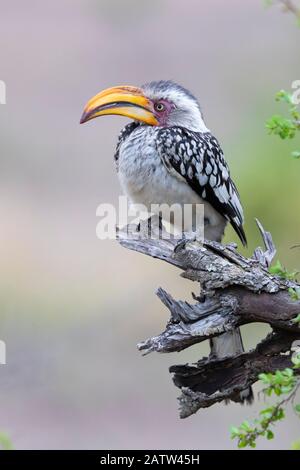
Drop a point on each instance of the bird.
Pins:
(167, 155)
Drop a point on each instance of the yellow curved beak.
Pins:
(126, 101)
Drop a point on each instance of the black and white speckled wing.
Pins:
(199, 160)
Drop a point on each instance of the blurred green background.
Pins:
(72, 308)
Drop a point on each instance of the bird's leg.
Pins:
(144, 225)
(151, 227)
(189, 237)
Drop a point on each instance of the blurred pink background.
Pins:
(73, 307)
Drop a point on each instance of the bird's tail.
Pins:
(230, 344)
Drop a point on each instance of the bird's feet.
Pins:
(188, 237)
(152, 227)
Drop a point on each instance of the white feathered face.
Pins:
(174, 105)
(162, 103)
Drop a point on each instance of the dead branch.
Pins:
(234, 291)
(289, 6)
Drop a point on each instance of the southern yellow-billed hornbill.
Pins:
(167, 155)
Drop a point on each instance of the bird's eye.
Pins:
(159, 107)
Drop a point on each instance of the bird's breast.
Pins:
(145, 180)
(143, 176)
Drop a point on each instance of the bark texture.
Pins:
(234, 291)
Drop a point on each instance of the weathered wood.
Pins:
(234, 291)
(210, 381)
(223, 312)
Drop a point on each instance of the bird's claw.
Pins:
(181, 244)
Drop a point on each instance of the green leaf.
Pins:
(296, 154)
(283, 127)
(297, 408)
(283, 95)
(264, 378)
(296, 361)
(281, 271)
(242, 443)
(267, 412)
(289, 372)
(296, 319)
(296, 445)
(246, 426)
(280, 414)
(294, 293)
(270, 435)
(234, 431)
(5, 441)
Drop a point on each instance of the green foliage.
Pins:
(296, 361)
(296, 154)
(294, 293)
(296, 445)
(281, 383)
(297, 318)
(285, 127)
(279, 270)
(282, 272)
(247, 434)
(5, 442)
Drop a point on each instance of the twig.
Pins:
(290, 6)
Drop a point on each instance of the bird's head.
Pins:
(161, 103)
